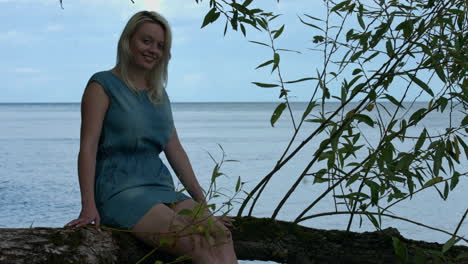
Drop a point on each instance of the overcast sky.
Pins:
(48, 53)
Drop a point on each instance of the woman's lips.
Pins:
(149, 58)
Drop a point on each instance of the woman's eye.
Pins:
(146, 41)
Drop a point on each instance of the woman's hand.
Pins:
(225, 220)
(221, 227)
(88, 215)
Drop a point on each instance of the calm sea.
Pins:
(39, 145)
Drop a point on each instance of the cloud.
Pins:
(175, 9)
(17, 37)
(9, 35)
(180, 34)
(193, 80)
(26, 70)
(41, 2)
(54, 28)
(150, 4)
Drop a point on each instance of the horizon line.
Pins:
(202, 102)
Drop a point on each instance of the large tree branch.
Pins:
(254, 238)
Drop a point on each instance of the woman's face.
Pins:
(147, 45)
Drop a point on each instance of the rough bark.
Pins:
(254, 238)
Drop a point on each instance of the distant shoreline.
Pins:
(208, 102)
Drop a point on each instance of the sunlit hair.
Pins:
(156, 77)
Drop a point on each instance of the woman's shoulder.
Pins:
(100, 75)
(102, 78)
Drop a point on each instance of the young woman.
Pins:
(126, 123)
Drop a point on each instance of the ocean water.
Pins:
(38, 165)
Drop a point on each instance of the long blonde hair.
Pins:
(156, 77)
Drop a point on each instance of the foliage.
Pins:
(373, 53)
(199, 219)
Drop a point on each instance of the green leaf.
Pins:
(465, 147)
(372, 56)
(243, 30)
(240, 8)
(440, 72)
(215, 174)
(374, 188)
(181, 258)
(389, 47)
(265, 85)
(454, 180)
(247, 3)
(356, 55)
(276, 61)
(289, 50)
(350, 34)
(315, 120)
(185, 212)
(379, 33)
(433, 181)
(339, 5)
(361, 22)
(278, 32)
(262, 23)
(352, 179)
(225, 28)
(238, 184)
(234, 20)
(311, 106)
(166, 241)
(356, 71)
(393, 100)
(421, 84)
(264, 64)
(373, 220)
(210, 17)
(318, 39)
(353, 81)
(417, 115)
(274, 17)
(301, 80)
(406, 26)
(370, 107)
(464, 122)
(421, 140)
(446, 191)
(357, 88)
(364, 118)
(309, 24)
(318, 176)
(314, 18)
(443, 103)
(400, 249)
(452, 241)
(259, 43)
(277, 113)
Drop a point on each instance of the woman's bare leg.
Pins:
(161, 221)
(224, 249)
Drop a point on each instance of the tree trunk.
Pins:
(254, 238)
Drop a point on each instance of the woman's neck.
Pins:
(137, 77)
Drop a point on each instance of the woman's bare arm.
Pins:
(94, 105)
(180, 163)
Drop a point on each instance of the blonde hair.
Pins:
(156, 77)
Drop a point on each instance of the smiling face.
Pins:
(147, 46)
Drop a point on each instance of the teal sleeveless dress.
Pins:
(130, 177)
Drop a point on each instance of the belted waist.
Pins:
(127, 153)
